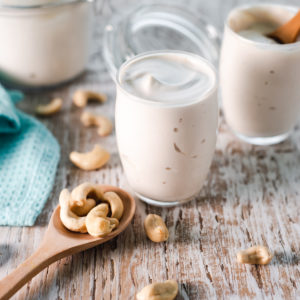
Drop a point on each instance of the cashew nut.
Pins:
(80, 194)
(116, 204)
(159, 291)
(81, 97)
(68, 218)
(49, 109)
(105, 125)
(97, 222)
(156, 228)
(256, 255)
(92, 160)
(83, 210)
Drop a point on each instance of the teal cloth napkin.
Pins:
(29, 155)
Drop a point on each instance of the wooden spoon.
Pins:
(288, 32)
(59, 242)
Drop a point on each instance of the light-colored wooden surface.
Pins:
(251, 197)
(58, 242)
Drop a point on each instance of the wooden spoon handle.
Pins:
(294, 27)
(288, 32)
(42, 258)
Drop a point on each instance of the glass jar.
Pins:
(166, 148)
(158, 27)
(259, 79)
(43, 43)
(166, 140)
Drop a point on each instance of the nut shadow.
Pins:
(193, 291)
(6, 251)
(283, 258)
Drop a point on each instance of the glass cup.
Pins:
(166, 148)
(44, 42)
(259, 81)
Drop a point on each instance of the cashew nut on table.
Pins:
(166, 290)
(256, 255)
(104, 125)
(49, 109)
(156, 228)
(81, 97)
(92, 160)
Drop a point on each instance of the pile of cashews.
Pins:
(98, 156)
(87, 209)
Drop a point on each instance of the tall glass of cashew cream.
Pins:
(43, 42)
(166, 123)
(160, 57)
(259, 78)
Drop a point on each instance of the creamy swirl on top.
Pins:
(258, 33)
(167, 77)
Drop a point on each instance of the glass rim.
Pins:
(276, 46)
(144, 100)
(120, 43)
(48, 4)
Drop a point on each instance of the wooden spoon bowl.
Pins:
(59, 242)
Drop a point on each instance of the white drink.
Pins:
(166, 122)
(44, 45)
(259, 78)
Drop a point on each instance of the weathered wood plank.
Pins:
(251, 196)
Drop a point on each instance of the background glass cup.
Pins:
(259, 82)
(44, 42)
(166, 148)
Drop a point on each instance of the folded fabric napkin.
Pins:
(29, 155)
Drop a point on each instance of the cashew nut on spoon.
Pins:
(68, 218)
(80, 194)
(92, 160)
(89, 119)
(97, 222)
(49, 109)
(116, 204)
(81, 97)
(84, 210)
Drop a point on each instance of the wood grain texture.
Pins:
(58, 242)
(251, 197)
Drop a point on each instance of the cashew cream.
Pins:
(166, 122)
(43, 42)
(259, 77)
(169, 78)
(258, 33)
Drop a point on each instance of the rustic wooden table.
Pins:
(251, 197)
